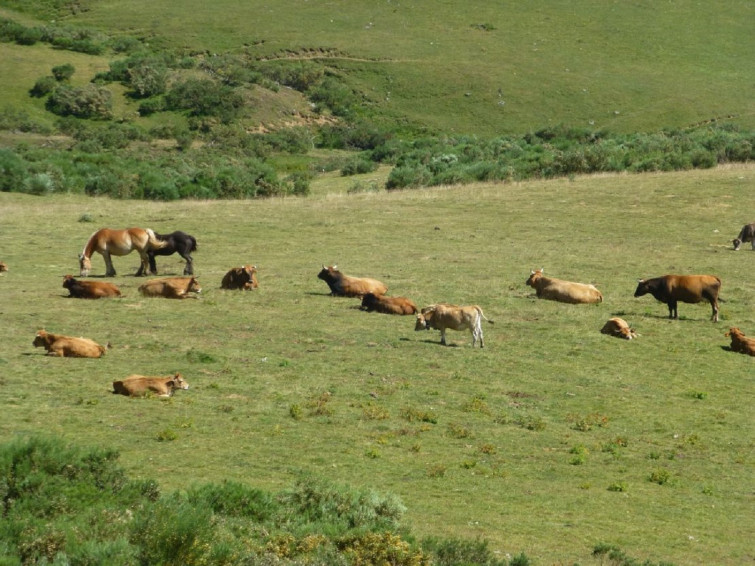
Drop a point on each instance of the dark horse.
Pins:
(179, 242)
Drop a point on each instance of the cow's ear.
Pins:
(640, 281)
(335, 267)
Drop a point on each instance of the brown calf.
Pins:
(141, 385)
(442, 316)
(68, 346)
(244, 277)
(171, 287)
(344, 286)
(741, 343)
(618, 327)
(90, 289)
(388, 305)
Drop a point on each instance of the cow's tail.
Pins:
(153, 242)
(479, 310)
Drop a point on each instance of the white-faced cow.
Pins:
(244, 278)
(747, 234)
(618, 327)
(741, 343)
(90, 289)
(171, 287)
(141, 385)
(563, 291)
(442, 316)
(67, 346)
(388, 305)
(671, 289)
(344, 286)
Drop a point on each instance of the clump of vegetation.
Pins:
(65, 504)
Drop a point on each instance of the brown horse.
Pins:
(118, 242)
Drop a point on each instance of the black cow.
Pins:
(671, 289)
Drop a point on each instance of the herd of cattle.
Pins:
(668, 289)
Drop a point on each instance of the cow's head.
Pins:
(534, 276)
(421, 323)
(737, 242)
(368, 300)
(85, 265)
(40, 338)
(643, 288)
(68, 281)
(194, 286)
(178, 382)
(328, 273)
(734, 331)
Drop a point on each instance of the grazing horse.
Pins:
(178, 241)
(118, 242)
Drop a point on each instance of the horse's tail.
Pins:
(153, 242)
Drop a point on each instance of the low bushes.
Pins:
(63, 504)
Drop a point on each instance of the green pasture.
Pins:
(478, 67)
(551, 440)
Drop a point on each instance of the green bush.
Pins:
(63, 72)
(358, 165)
(90, 101)
(203, 97)
(43, 87)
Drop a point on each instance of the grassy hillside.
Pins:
(480, 68)
(550, 441)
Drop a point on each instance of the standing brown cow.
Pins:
(442, 316)
(671, 289)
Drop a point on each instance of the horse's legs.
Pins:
(145, 264)
(109, 269)
(189, 269)
(152, 263)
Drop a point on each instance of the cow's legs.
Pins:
(145, 266)
(673, 311)
(443, 336)
(714, 306)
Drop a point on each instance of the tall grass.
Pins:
(544, 442)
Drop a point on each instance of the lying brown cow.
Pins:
(741, 343)
(90, 289)
(442, 316)
(171, 287)
(618, 327)
(244, 277)
(747, 234)
(344, 286)
(387, 305)
(141, 385)
(563, 291)
(671, 289)
(68, 346)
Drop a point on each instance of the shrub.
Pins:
(63, 72)
(357, 166)
(333, 95)
(202, 97)
(43, 87)
(90, 101)
(454, 551)
(13, 170)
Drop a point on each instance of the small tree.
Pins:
(63, 72)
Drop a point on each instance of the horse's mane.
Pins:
(89, 247)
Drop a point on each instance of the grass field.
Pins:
(552, 439)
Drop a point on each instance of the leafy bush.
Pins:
(358, 165)
(333, 95)
(203, 97)
(43, 86)
(63, 72)
(90, 101)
